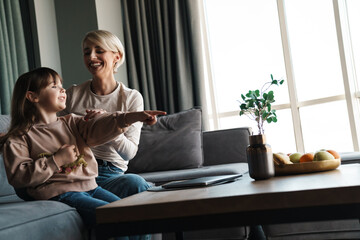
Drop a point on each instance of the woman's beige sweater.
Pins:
(26, 168)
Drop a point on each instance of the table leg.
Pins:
(179, 236)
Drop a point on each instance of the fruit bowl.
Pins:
(307, 167)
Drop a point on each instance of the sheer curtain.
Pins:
(163, 41)
(13, 56)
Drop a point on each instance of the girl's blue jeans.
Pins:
(86, 202)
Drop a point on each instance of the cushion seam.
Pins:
(36, 219)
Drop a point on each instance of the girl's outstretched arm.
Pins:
(103, 128)
(148, 117)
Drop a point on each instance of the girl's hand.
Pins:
(91, 113)
(66, 154)
(148, 117)
(151, 119)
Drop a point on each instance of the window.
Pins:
(313, 45)
(353, 8)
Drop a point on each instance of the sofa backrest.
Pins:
(226, 146)
(7, 192)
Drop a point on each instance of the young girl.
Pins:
(50, 156)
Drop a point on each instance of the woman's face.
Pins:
(98, 61)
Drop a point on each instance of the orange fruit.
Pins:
(307, 157)
(334, 153)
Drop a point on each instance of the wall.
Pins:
(74, 19)
(61, 26)
(109, 18)
(47, 45)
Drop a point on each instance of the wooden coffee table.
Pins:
(306, 197)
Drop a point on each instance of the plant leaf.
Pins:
(265, 96)
(270, 96)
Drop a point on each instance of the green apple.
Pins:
(320, 150)
(295, 157)
(323, 155)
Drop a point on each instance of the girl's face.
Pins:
(98, 61)
(52, 98)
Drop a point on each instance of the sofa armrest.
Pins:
(350, 157)
(225, 146)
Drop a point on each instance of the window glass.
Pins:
(279, 135)
(326, 126)
(314, 48)
(245, 49)
(353, 8)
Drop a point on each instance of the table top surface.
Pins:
(336, 187)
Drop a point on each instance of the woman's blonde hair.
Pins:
(24, 113)
(107, 41)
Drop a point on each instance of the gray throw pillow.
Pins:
(5, 188)
(4, 123)
(174, 142)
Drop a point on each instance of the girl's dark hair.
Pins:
(24, 114)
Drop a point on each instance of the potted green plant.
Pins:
(257, 106)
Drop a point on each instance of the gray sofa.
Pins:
(175, 148)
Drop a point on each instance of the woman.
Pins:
(103, 53)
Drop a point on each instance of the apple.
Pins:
(295, 157)
(320, 150)
(323, 155)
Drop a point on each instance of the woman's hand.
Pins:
(91, 113)
(147, 117)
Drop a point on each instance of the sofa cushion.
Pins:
(226, 146)
(40, 220)
(7, 193)
(174, 142)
